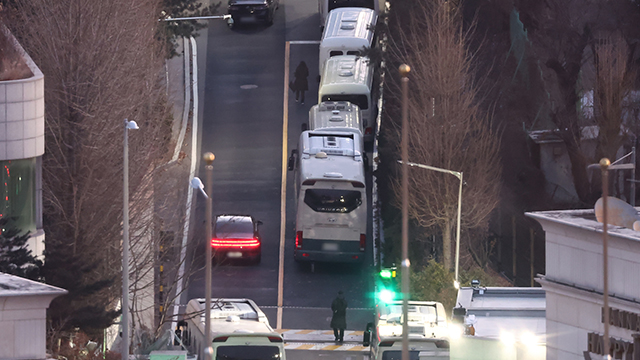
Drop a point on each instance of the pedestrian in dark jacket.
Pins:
(300, 84)
(339, 318)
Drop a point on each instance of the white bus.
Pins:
(347, 32)
(331, 210)
(240, 331)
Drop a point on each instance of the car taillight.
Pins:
(218, 243)
(363, 241)
(298, 239)
(275, 339)
(368, 131)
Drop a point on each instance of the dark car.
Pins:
(252, 10)
(236, 237)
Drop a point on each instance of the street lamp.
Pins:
(196, 183)
(457, 174)
(128, 125)
(404, 72)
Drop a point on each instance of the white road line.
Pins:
(187, 101)
(192, 172)
(283, 185)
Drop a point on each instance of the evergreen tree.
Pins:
(15, 257)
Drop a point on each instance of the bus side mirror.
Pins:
(292, 160)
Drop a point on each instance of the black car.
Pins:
(236, 237)
(242, 10)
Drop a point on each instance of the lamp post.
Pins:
(404, 72)
(208, 158)
(604, 165)
(457, 174)
(125, 241)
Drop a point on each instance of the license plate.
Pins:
(330, 247)
(234, 254)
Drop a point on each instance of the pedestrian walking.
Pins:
(300, 84)
(339, 318)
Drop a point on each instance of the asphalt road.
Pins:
(242, 126)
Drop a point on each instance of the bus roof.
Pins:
(356, 24)
(331, 156)
(231, 316)
(348, 74)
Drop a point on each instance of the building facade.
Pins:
(574, 286)
(21, 143)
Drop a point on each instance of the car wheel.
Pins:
(257, 260)
(270, 19)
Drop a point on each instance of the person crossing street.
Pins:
(339, 318)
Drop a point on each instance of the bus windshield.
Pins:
(332, 201)
(248, 353)
(334, 4)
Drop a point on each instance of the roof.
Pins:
(11, 285)
(583, 219)
(331, 155)
(349, 22)
(553, 136)
(336, 116)
(494, 310)
(233, 315)
(346, 74)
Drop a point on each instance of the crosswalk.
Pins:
(322, 340)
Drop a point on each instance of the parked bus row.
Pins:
(330, 161)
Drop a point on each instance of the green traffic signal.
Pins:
(386, 296)
(385, 273)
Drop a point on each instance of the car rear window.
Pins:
(233, 229)
(248, 353)
(332, 201)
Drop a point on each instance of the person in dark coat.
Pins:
(300, 84)
(339, 318)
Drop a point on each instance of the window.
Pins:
(248, 353)
(360, 100)
(353, 52)
(332, 201)
(335, 53)
(397, 355)
(233, 228)
(334, 4)
(18, 193)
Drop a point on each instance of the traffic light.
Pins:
(386, 296)
(386, 285)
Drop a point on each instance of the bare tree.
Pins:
(102, 62)
(448, 129)
(614, 83)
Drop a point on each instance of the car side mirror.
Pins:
(292, 160)
(259, 222)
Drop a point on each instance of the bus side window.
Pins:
(292, 160)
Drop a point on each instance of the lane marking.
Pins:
(283, 185)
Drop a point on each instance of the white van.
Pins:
(338, 116)
(239, 329)
(428, 331)
(350, 78)
(347, 31)
(326, 6)
(331, 197)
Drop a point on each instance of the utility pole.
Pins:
(404, 72)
